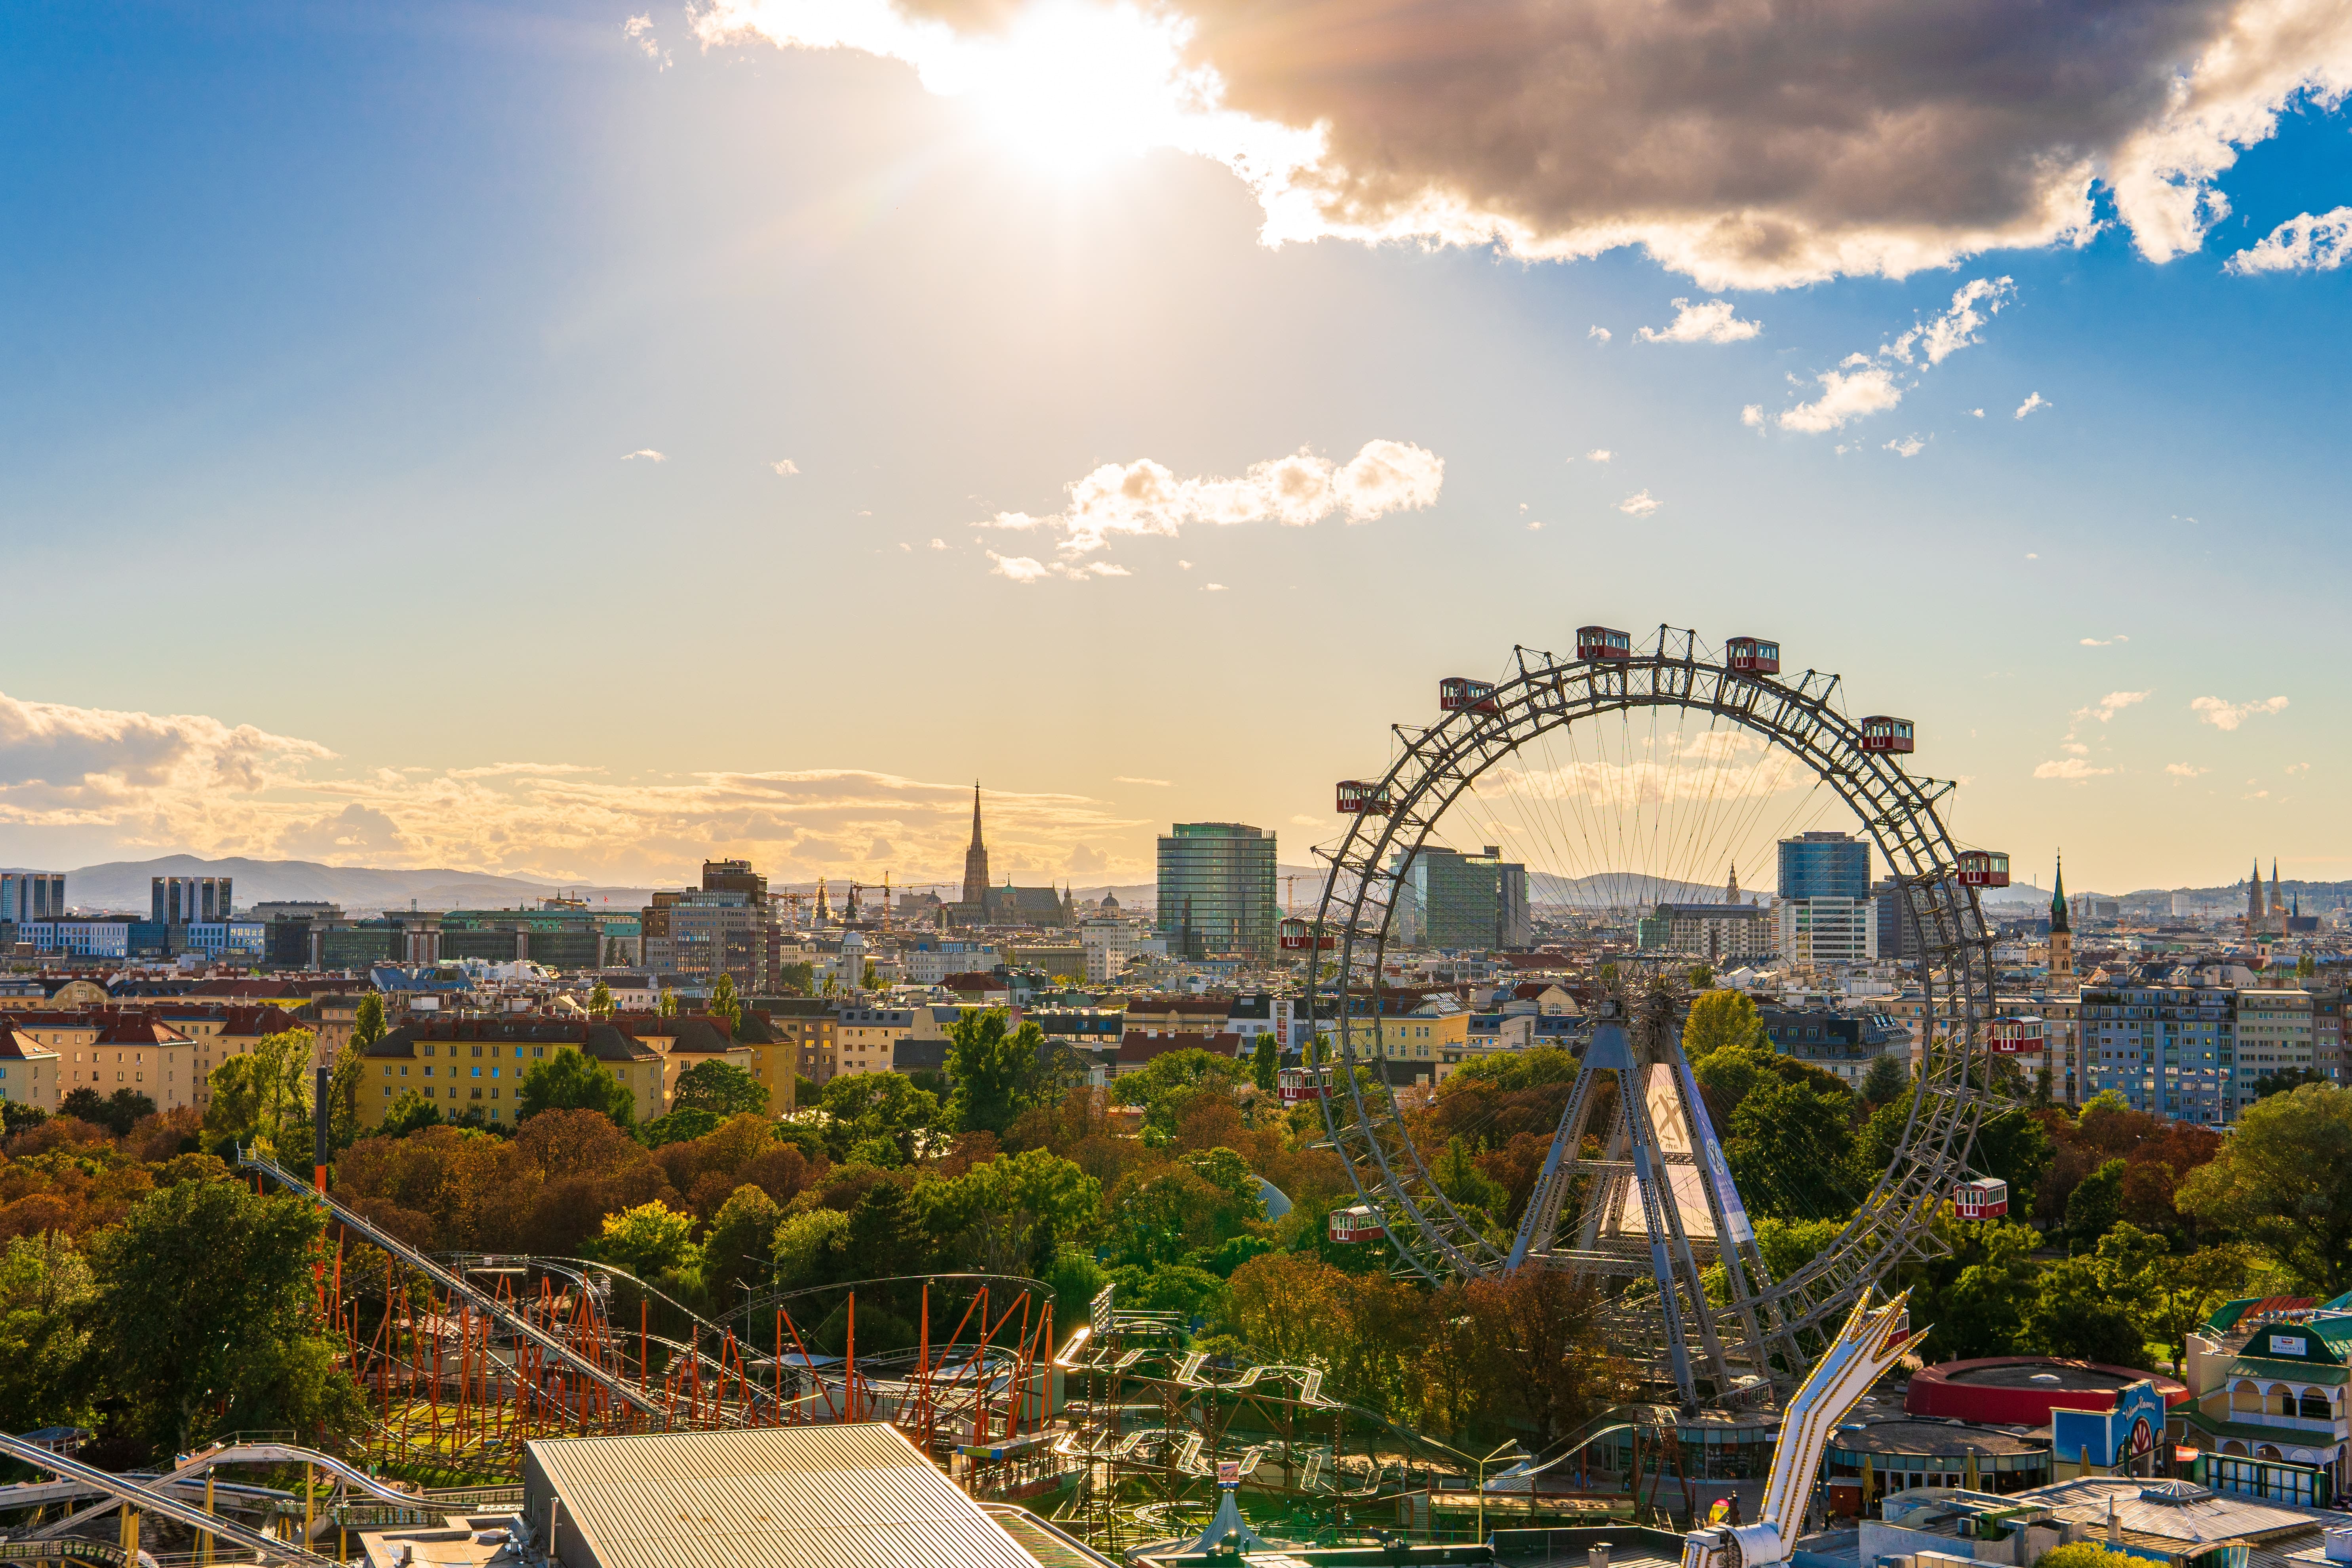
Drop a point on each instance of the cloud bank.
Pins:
(1709, 321)
(1145, 498)
(1745, 145)
(2223, 715)
(2301, 244)
(1863, 384)
(161, 782)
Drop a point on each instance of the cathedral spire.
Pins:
(2058, 920)
(2062, 935)
(2254, 898)
(975, 867)
(1731, 888)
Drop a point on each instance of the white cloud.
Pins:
(2107, 707)
(1976, 413)
(938, 544)
(2224, 715)
(2033, 401)
(2074, 769)
(786, 468)
(1640, 504)
(1862, 384)
(1299, 821)
(1600, 334)
(1144, 498)
(2184, 771)
(2301, 244)
(2032, 555)
(1028, 569)
(2105, 642)
(1213, 587)
(647, 453)
(1942, 336)
(1535, 525)
(1709, 321)
(1155, 783)
(639, 30)
(1908, 446)
(1846, 395)
(904, 545)
(1752, 415)
(1184, 565)
(1598, 455)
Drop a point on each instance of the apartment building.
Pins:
(466, 1065)
(29, 1071)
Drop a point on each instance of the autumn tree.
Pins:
(1720, 1018)
(2284, 1183)
(572, 1080)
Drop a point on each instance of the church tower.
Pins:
(2254, 913)
(1731, 888)
(2278, 901)
(2062, 934)
(975, 866)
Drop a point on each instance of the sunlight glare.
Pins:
(1073, 86)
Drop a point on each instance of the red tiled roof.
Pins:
(18, 1045)
(130, 1029)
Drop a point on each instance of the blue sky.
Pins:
(329, 332)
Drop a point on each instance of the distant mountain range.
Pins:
(358, 889)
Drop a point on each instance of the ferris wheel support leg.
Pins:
(1537, 1226)
(1678, 1352)
(1663, 1206)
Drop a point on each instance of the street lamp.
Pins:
(1481, 1467)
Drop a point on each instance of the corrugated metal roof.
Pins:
(850, 1495)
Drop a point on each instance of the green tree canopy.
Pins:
(739, 1253)
(724, 1002)
(45, 1289)
(719, 1086)
(573, 1081)
(809, 1248)
(263, 1095)
(1720, 1018)
(1171, 1081)
(862, 1105)
(204, 1318)
(367, 1020)
(1509, 1071)
(1790, 1149)
(987, 1060)
(1264, 1063)
(2094, 1205)
(1012, 1214)
(1887, 1080)
(118, 1112)
(600, 1000)
(2078, 1310)
(409, 1112)
(647, 1240)
(2284, 1183)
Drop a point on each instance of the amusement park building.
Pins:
(2267, 1381)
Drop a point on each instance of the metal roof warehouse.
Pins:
(850, 1495)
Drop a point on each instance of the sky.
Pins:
(572, 440)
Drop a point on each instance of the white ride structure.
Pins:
(1870, 1343)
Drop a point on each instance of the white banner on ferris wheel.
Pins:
(1727, 1195)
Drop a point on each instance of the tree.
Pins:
(1722, 1018)
(724, 1002)
(2286, 1080)
(1789, 1151)
(571, 1080)
(862, 1105)
(2076, 1313)
(1168, 1085)
(1014, 1214)
(647, 1240)
(2015, 1146)
(739, 1251)
(1886, 1081)
(2284, 1183)
(1540, 1333)
(809, 1247)
(202, 1319)
(45, 1291)
(411, 1111)
(263, 1095)
(1975, 1296)
(987, 1060)
(599, 1001)
(16, 1116)
(2094, 1205)
(1264, 1064)
(2172, 1296)
(667, 1005)
(800, 977)
(869, 978)
(343, 1085)
(367, 1021)
(116, 1112)
(1458, 1177)
(719, 1086)
(2087, 1554)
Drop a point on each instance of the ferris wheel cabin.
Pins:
(1361, 1223)
(1881, 733)
(1752, 656)
(1982, 869)
(1297, 935)
(1360, 798)
(2018, 1037)
(1603, 643)
(1988, 1199)
(1296, 1086)
(1458, 692)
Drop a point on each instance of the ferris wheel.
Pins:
(1636, 777)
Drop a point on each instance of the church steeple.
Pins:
(2062, 932)
(1731, 887)
(975, 865)
(2255, 910)
(2278, 902)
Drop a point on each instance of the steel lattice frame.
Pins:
(1773, 1324)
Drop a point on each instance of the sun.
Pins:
(1071, 87)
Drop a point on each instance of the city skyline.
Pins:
(570, 445)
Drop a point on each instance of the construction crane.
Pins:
(1870, 1343)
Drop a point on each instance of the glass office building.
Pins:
(1825, 866)
(1216, 889)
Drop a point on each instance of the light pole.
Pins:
(1481, 1467)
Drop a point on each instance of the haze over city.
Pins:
(568, 442)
